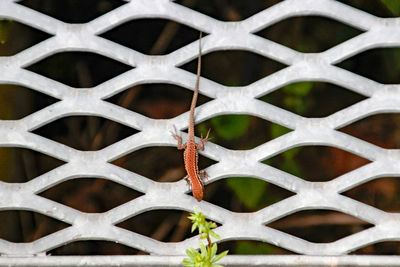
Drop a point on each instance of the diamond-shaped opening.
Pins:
(382, 248)
(378, 8)
(312, 99)
(382, 130)
(162, 164)
(302, 35)
(73, 11)
(244, 194)
(18, 101)
(161, 225)
(26, 226)
(316, 163)
(157, 101)
(241, 132)
(90, 194)
(15, 37)
(380, 64)
(19, 165)
(320, 226)
(157, 36)
(234, 67)
(79, 69)
(231, 10)
(381, 193)
(94, 247)
(85, 132)
(251, 247)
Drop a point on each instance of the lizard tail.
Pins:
(195, 93)
(197, 193)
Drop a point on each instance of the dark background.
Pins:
(162, 101)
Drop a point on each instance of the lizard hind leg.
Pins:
(204, 175)
(187, 179)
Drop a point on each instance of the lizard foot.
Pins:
(203, 141)
(178, 138)
(204, 174)
(187, 179)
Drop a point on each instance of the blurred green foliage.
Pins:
(251, 248)
(5, 25)
(396, 57)
(296, 96)
(278, 130)
(230, 127)
(248, 190)
(393, 6)
(251, 191)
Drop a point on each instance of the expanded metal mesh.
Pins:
(381, 98)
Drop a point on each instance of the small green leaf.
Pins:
(220, 256)
(214, 250)
(192, 253)
(213, 225)
(201, 228)
(230, 127)
(188, 263)
(194, 226)
(215, 235)
(203, 249)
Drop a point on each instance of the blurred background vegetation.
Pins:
(307, 34)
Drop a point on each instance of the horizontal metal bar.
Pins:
(234, 260)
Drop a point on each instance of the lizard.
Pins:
(190, 155)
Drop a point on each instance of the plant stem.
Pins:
(209, 241)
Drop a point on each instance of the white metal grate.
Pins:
(381, 98)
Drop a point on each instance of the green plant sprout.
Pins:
(207, 257)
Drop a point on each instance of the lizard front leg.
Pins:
(203, 141)
(178, 138)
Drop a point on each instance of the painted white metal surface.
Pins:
(381, 98)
